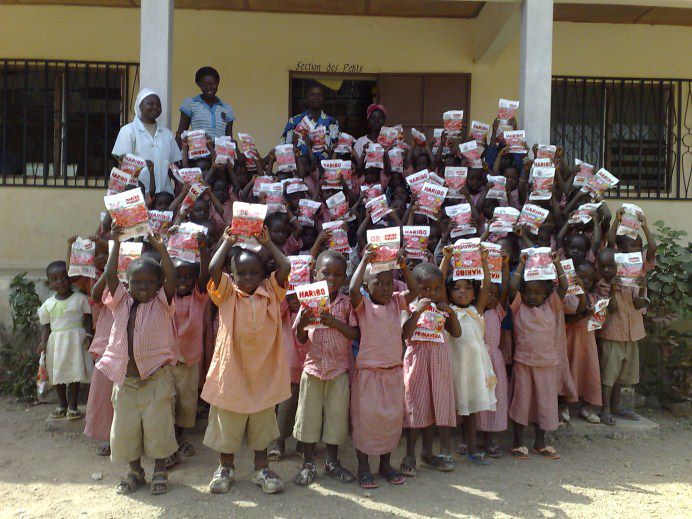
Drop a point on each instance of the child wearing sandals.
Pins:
(249, 373)
(429, 390)
(473, 376)
(377, 391)
(188, 321)
(489, 422)
(323, 401)
(535, 308)
(136, 359)
(66, 320)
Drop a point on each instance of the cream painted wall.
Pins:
(254, 52)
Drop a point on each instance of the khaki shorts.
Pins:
(226, 430)
(323, 407)
(619, 362)
(186, 382)
(143, 418)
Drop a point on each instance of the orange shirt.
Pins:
(627, 322)
(249, 371)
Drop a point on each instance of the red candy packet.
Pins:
(314, 298)
(430, 325)
(129, 212)
(387, 243)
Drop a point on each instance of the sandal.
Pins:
(104, 449)
(172, 460)
(58, 412)
(306, 475)
(408, 467)
(159, 483)
(440, 462)
(274, 452)
(392, 476)
(478, 458)
(548, 452)
(493, 451)
(268, 480)
(336, 471)
(564, 415)
(520, 453)
(185, 448)
(627, 414)
(589, 416)
(607, 419)
(221, 480)
(367, 482)
(74, 414)
(130, 483)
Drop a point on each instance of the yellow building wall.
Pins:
(254, 52)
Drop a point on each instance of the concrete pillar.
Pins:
(536, 69)
(156, 52)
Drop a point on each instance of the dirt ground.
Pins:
(44, 474)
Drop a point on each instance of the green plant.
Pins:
(18, 350)
(665, 351)
(24, 302)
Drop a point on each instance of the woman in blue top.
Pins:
(206, 111)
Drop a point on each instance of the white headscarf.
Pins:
(143, 94)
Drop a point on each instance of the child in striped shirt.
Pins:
(136, 359)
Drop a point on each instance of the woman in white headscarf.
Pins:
(149, 140)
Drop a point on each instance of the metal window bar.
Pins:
(60, 120)
(640, 129)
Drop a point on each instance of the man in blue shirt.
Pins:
(315, 96)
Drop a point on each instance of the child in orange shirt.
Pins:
(249, 373)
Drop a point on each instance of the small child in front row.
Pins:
(618, 339)
(535, 307)
(249, 373)
(323, 401)
(137, 360)
(489, 422)
(429, 390)
(188, 321)
(66, 320)
(377, 391)
(472, 370)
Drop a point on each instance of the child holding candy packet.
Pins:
(247, 223)
(453, 121)
(129, 212)
(386, 244)
(455, 180)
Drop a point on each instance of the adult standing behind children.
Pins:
(150, 140)
(206, 111)
(315, 112)
(375, 115)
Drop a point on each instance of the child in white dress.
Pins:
(472, 371)
(67, 329)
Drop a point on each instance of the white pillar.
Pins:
(156, 52)
(536, 69)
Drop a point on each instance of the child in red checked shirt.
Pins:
(323, 402)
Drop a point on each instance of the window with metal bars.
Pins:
(59, 120)
(638, 129)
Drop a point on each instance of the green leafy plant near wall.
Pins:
(665, 353)
(18, 359)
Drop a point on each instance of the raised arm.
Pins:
(282, 262)
(613, 231)
(482, 300)
(650, 240)
(70, 242)
(169, 273)
(204, 254)
(411, 283)
(358, 276)
(561, 276)
(218, 261)
(504, 289)
(111, 271)
(515, 282)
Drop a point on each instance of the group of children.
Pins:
(407, 343)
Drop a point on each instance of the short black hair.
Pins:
(311, 83)
(144, 263)
(206, 71)
(426, 271)
(164, 195)
(245, 255)
(331, 254)
(55, 265)
(276, 217)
